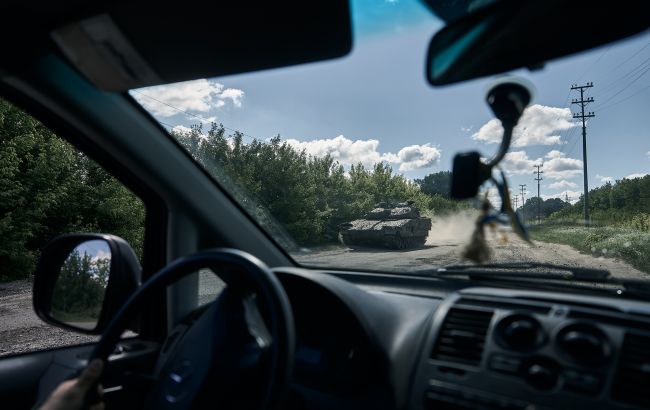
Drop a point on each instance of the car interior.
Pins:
(281, 334)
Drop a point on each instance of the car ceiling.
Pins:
(126, 44)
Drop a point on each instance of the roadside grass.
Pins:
(632, 246)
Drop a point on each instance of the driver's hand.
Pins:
(70, 394)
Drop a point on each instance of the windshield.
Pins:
(346, 163)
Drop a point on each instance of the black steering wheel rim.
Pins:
(234, 267)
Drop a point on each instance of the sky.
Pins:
(375, 105)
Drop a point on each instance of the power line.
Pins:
(203, 119)
(630, 57)
(634, 71)
(523, 202)
(539, 198)
(583, 103)
(594, 63)
(641, 74)
(624, 99)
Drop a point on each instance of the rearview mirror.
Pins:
(511, 34)
(83, 279)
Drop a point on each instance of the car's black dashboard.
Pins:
(366, 341)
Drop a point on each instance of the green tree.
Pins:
(47, 188)
(438, 183)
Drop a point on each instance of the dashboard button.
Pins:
(520, 332)
(584, 343)
(582, 382)
(542, 373)
(505, 364)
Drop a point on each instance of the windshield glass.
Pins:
(346, 163)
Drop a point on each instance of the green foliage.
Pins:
(624, 204)
(546, 208)
(438, 183)
(308, 196)
(48, 188)
(79, 291)
(626, 244)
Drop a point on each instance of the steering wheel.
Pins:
(236, 352)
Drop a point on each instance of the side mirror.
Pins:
(82, 280)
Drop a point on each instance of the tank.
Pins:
(388, 225)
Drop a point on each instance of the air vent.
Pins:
(506, 304)
(462, 336)
(633, 372)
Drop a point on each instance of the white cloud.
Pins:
(199, 96)
(466, 129)
(637, 175)
(517, 162)
(234, 95)
(648, 154)
(181, 129)
(563, 184)
(604, 179)
(349, 152)
(417, 157)
(539, 125)
(556, 165)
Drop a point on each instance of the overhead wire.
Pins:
(200, 117)
(639, 91)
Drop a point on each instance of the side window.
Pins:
(47, 188)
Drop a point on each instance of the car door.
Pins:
(49, 187)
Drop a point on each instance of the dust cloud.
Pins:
(453, 229)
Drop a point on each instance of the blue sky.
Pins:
(375, 105)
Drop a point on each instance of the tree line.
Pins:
(624, 203)
(47, 187)
(78, 294)
(299, 198)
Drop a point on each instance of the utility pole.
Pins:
(523, 202)
(581, 115)
(539, 198)
(516, 202)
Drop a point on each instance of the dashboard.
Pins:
(367, 341)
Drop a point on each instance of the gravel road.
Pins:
(22, 331)
(445, 244)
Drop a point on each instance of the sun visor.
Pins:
(99, 50)
(131, 46)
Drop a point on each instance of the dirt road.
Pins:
(445, 244)
(21, 330)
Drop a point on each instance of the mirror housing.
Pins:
(511, 34)
(124, 277)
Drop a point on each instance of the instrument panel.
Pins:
(495, 352)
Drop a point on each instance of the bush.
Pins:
(627, 244)
(292, 195)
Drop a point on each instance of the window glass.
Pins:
(346, 163)
(48, 188)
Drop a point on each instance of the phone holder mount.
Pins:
(507, 98)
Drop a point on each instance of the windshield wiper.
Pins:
(524, 269)
(544, 274)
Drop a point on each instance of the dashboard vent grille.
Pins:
(462, 336)
(509, 304)
(633, 372)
